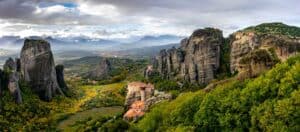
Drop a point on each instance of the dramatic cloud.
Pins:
(126, 18)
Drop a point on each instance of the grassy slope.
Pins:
(267, 103)
(35, 115)
(89, 105)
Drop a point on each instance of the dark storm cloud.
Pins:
(15, 9)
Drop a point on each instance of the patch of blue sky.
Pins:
(65, 4)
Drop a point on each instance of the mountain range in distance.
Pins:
(68, 48)
(85, 43)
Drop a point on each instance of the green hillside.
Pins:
(276, 29)
(267, 103)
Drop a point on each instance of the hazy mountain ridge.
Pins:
(85, 43)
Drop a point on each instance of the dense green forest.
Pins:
(276, 29)
(267, 103)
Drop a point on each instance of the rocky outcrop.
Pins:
(252, 53)
(140, 96)
(38, 68)
(13, 86)
(138, 91)
(158, 97)
(196, 60)
(61, 78)
(12, 83)
(149, 71)
(102, 71)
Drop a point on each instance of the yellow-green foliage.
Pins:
(36, 115)
(93, 106)
(33, 114)
(267, 103)
(104, 95)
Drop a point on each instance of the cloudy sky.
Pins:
(127, 18)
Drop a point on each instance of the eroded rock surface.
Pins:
(12, 83)
(252, 53)
(196, 60)
(38, 68)
(61, 78)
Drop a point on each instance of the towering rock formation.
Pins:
(38, 69)
(250, 52)
(253, 52)
(196, 60)
(12, 80)
(102, 71)
(61, 78)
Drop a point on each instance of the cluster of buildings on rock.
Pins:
(140, 96)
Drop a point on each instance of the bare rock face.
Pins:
(196, 60)
(252, 53)
(60, 78)
(10, 67)
(102, 71)
(13, 86)
(149, 71)
(38, 68)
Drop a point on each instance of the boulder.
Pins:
(38, 68)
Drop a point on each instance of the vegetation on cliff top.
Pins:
(276, 28)
(267, 103)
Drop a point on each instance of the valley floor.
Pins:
(88, 107)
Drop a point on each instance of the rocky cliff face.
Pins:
(12, 79)
(196, 60)
(38, 68)
(248, 52)
(252, 53)
(102, 71)
(61, 78)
